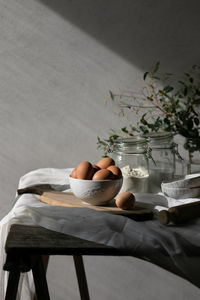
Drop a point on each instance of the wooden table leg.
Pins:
(40, 281)
(45, 260)
(81, 277)
(15, 264)
(12, 286)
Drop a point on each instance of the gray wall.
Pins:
(58, 60)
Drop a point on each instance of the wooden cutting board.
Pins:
(69, 200)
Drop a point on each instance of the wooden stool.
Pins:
(25, 247)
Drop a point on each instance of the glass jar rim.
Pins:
(133, 145)
(133, 141)
(158, 135)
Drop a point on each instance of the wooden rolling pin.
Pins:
(179, 214)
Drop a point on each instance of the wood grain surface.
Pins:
(69, 200)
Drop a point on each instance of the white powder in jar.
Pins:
(135, 180)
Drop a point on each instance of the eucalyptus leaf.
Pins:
(185, 91)
(111, 95)
(145, 75)
(168, 89)
(156, 67)
(196, 101)
(196, 121)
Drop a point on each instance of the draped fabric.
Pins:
(174, 248)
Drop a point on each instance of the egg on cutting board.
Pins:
(125, 200)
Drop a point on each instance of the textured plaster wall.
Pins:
(58, 60)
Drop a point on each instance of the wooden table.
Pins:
(27, 245)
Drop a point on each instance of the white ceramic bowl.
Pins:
(181, 193)
(190, 181)
(95, 192)
(188, 187)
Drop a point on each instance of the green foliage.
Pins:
(163, 106)
(106, 144)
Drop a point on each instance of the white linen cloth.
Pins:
(29, 210)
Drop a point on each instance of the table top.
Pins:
(38, 240)
(175, 248)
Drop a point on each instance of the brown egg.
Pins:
(116, 171)
(73, 173)
(125, 200)
(84, 170)
(105, 162)
(103, 174)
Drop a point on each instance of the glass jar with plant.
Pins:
(164, 104)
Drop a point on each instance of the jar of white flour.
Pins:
(131, 156)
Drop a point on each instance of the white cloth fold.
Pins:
(29, 210)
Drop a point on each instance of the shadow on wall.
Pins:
(141, 31)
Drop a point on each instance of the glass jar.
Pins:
(162, 165)
(131, 156)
